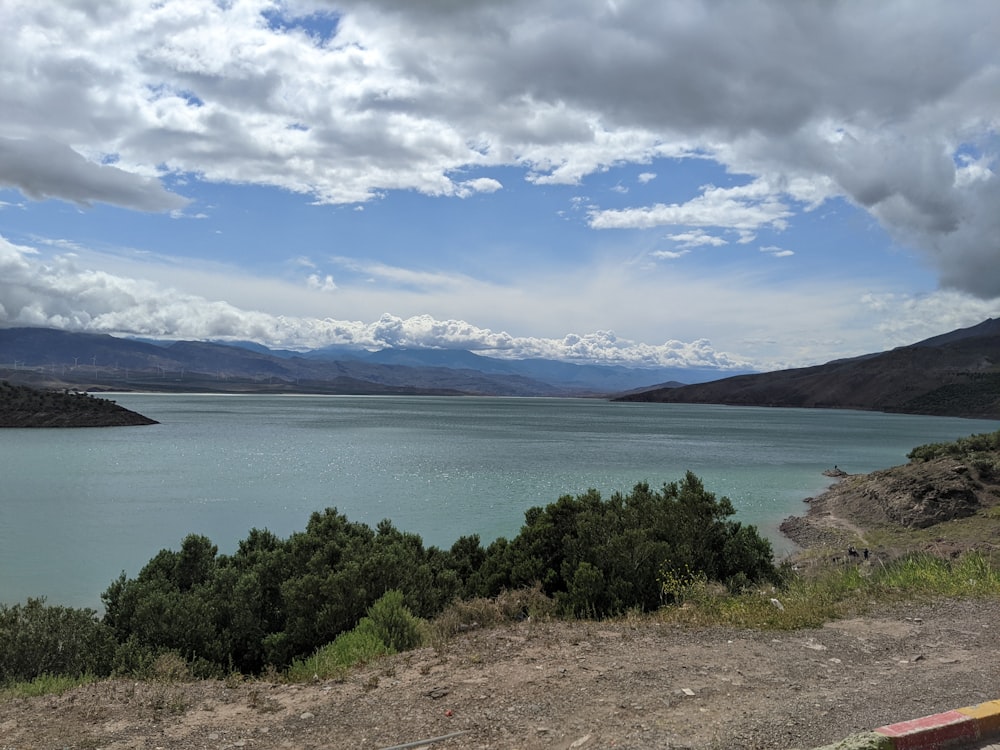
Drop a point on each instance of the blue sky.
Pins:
(700, 182)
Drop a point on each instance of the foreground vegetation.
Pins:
(47, 649)
(340, 593)
(276, 601)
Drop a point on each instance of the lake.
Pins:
(79, 506)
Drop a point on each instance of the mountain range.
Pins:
(954, 374)
(61, 359)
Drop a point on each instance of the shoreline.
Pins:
(944, 506)
(819, 527)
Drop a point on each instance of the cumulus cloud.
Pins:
(479, 185)
(747, 207)
(669, 254)
(343, 100)
(43, 168)
(777, 252)
(322, 283)
(696, 238)
(61, 293)
(59, 286)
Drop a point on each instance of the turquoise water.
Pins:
(79, 506)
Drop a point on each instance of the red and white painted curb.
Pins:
(950, 729)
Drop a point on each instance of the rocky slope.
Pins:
(949, 503)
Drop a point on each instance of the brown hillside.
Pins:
(953, 375)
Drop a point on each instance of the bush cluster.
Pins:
(276, 601)
(979, 447)
(37, 639)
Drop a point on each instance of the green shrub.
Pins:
(963, 448)
(357, 646)
(37, 640)
(394, 624)
(600, 557)
(134, 659)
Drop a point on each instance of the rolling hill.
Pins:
(955, 374)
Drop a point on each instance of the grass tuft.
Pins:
(333, 661)
(45, 684)
(510, 606)
(836, 591)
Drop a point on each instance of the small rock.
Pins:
(580, 742)
(307, 715)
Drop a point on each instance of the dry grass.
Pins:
(510, 606)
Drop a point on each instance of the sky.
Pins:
(741, 184)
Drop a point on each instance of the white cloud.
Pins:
(60, 293)
(776, 251)
(669, 254)
(321, 283)
(67, 291)
(871, 101)
(696, 238)
(904, 319)
(478, 185)
(747, 207)
(646, 177)
(42, 168)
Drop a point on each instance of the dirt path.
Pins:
(630, 684)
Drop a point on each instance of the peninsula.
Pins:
(22, 406)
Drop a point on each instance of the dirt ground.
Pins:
(628, 684)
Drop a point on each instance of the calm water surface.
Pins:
(79, 506)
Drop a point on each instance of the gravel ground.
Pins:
(626, 684)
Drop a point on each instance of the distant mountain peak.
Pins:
(86, 360)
